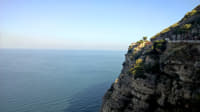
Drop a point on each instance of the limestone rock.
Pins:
(159, 77)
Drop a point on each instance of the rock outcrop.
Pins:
(159, 76)
(188, 28)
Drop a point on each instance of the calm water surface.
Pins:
(56, 80)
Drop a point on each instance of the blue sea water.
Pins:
(56, 80)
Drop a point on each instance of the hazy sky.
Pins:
(85, 24)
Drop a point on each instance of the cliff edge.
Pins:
(162, 75)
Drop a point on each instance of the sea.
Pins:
(56, 80)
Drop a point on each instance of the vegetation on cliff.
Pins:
(189, 21)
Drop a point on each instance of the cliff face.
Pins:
(160, 76)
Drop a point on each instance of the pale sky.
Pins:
(85, 24)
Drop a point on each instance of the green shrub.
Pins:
(165, 30)
(145, 38)
(174, 25)
(191, 13)
(140, 42)
(138, 69)
(159, 46)
(130, 48)
(186, 26)
(183, 29)
(155, 35)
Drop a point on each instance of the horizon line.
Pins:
(62, 49)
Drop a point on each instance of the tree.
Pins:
(145, 38)
(140, 42)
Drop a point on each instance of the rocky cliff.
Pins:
(160, 76)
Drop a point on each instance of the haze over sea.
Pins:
(56, 80)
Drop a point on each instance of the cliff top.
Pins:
(186, 25)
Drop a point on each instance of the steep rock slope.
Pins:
(160, 76)
(187, 28)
